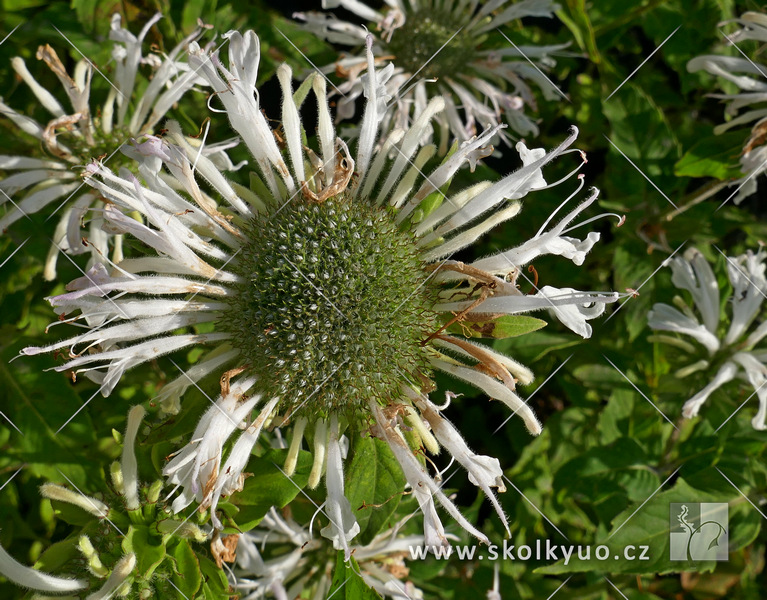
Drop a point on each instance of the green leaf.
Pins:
(713, 156)
(605, 478)
(149, 549)
(268, 486)
(94, 15)
(57, 555)
(215, 579)
(374, 484)
(347, 583)
(648, 524)
(187, 576)
(46, 451)
(74, 515)
(501, 328)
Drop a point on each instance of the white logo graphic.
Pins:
(699, 531)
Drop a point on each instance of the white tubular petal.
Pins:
(56, 492)
(747, 275)
(26, 179)
(381, 158)
(433, 531)
(26, 124)
(468, 151)
(231, 478)
(74, 224)
(138, 309)
(694, 274)
(406, 184)
(13, 163)
(726, 373)
(549, 242)
(119, 361)
(171, 239)
(134, 329)
(128, 463)
(484, 471)
(573, 308)
(358, 8)
(667, 318)
(423, 485)
(291, 122)
(120, 573)
(726, 67)
(236, 92)
(375, 92)
(47, 99)
(409, 145)
(325, 129)
(519, 371)
(141, 285)
(757, 376)
(451, 204)
(513, 186)
(208, 162)
(570, 306)
(36, 201)
(468, 237)
(320, 445)
(196, 466)
(36, 580)
(59, 243)
(295, 446)
(494, 389)
(518, 10)
(757, 335)
(343, 526)
(164, 103)
(170, 395)
(759, 421)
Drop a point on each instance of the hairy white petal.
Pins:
(726, 373)
(34, 579)
(343, 525)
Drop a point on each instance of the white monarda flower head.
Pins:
(282, 559)
(451, 49)
(75, 136)
(750, 75)
(326, 288)
(732, 351)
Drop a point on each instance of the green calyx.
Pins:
(332, 307)
(420, 38)
(104, 144)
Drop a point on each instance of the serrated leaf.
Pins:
(347, 584)
(187, 576)
(374, 484)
